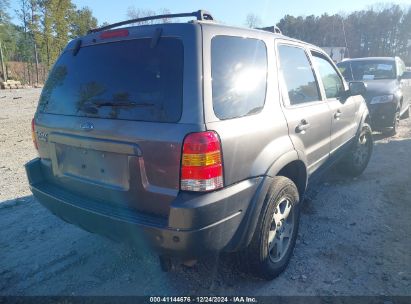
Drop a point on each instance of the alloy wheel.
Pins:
(362, 150)
(281, 230)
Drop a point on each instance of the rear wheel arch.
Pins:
(289, 165)
(257, 256)
(297, 173)
(292, 166)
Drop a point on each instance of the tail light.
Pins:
(33, 134)
(201, 165)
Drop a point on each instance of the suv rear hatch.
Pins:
(110, 121)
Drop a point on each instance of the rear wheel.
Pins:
(357, 158)
(274, 239)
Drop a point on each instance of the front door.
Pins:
(343, 111)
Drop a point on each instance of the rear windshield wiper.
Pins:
(122, 104)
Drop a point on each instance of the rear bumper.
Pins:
(197, 224)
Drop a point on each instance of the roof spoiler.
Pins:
(200, 15)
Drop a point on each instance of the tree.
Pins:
(58, 23)
(44, 29)
(62, 17)
(252, 21)
(9, 35)
(24, 43)
(133, 13)
(4, 16)
(83, 21)
(381, 30)
(35, 32)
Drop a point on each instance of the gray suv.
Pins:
(194, 137)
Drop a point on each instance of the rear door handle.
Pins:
(338, 114)
(302, 127)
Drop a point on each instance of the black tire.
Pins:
(357, 158)
(166, 264)
(257, 257)
(407, 113)
(393, 130)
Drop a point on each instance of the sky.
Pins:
(231, 12)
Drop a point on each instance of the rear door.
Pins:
(112, 116)
(308, 116)
(343, 112)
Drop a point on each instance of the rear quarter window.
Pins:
(125, 80)
(239, 76)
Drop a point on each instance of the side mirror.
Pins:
(357, 88)
(406, 75)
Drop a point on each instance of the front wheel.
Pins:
(393, 130)
(274, 239)
(407, 113)
(359, 155)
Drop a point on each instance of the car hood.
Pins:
(381, 87)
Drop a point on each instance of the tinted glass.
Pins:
(239, 74)
(123, 80)
(332, 82)
(368, 69)
(298, 75)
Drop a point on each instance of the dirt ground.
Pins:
(355, 234)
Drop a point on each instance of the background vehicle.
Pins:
(388, 88)
(197, 137)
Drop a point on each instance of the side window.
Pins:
(298, 75)
(239, 76)
(332, 82)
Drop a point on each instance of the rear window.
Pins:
(126, 80)
(239, 76)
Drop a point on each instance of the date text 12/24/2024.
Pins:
(203, 300)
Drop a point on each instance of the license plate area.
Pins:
(104, 168)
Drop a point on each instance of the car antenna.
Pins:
(156, 37)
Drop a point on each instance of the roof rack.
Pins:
(273, 29)
(200, 15)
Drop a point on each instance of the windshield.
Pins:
(368, 69)
(123, 80)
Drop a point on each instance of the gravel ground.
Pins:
(354, 235)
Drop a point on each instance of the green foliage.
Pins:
(4, 16)
(83, 21)
(45, 28)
